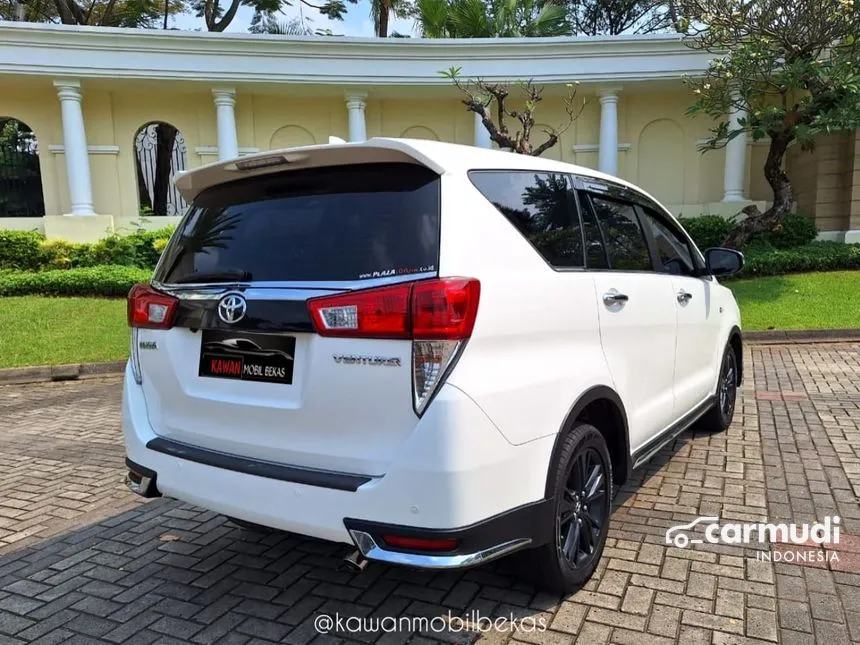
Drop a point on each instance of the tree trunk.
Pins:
(165, 139)
(384, 12)
(226, 19)
(783, 197)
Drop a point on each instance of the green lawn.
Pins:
(800, 301)
(52, 331)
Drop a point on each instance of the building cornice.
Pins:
(90, 52)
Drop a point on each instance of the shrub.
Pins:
(28, 250)
(160, 244)
(110, 281)
(146, 254)
(115, 249)
(59, 254)
(817, 256)
(20, 249)
(707, 230)
(795, 230)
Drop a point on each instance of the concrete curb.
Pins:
(76, 371)
(73, 372)
(792, 336)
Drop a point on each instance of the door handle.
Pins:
(684, 297)
(612, 297)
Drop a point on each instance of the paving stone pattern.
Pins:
(84, 561)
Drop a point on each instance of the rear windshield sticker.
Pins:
(401, 271)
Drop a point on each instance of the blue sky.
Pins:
(357, 21)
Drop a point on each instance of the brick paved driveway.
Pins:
(83, 561)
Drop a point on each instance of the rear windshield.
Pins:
(338, 223)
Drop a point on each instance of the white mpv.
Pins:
(438, 354)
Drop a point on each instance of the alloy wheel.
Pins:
(728, 385)
(582, 511)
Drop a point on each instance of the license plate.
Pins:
(246, 356)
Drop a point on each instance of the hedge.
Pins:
(109, 281)
(710, 230)
(29, 250)
(115, 281)
(817, 256)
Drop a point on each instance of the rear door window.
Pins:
(623, 234)
(339, 223)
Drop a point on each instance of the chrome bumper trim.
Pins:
(372, 551)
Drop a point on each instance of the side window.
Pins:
(625, 240)
(672, 249)
(542, 208)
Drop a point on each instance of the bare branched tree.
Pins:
(491, 102)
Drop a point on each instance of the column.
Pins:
(482, 137)
(75, 147)
(225, 113)
(734, 176)
(608, 150)
(355, 104)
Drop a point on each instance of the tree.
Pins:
(613, 17)
(792, 66)
(381, 12)
(491, 18)
(97, 13)
(484, 98)
(217, 17)
(269, 23)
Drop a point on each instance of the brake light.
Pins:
(438, 315)
(149, 308)
(372, 313)
(441, 308)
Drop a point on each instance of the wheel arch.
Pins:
(601, 407)
(737, 343)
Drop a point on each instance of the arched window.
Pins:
(419, 132)
(20, 175)
(160, 153)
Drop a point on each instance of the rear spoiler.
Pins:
(379, 150)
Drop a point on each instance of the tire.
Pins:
(579, 528)
(249, 526)
(719, 417)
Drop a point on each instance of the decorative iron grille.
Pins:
(20, 176)
(146, 146)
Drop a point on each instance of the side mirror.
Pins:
(722, 261)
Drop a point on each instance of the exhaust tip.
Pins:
(141, 485)
(354, 562)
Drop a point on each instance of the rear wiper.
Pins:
(229, 275)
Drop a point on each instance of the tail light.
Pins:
(149, 308)
(438, 315)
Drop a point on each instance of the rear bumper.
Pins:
(454, 474)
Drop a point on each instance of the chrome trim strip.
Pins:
(372, 551)
(214, 290)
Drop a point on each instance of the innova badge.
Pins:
(232, 307)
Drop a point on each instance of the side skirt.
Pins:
(646, 452)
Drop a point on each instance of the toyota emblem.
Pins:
(232, 307)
